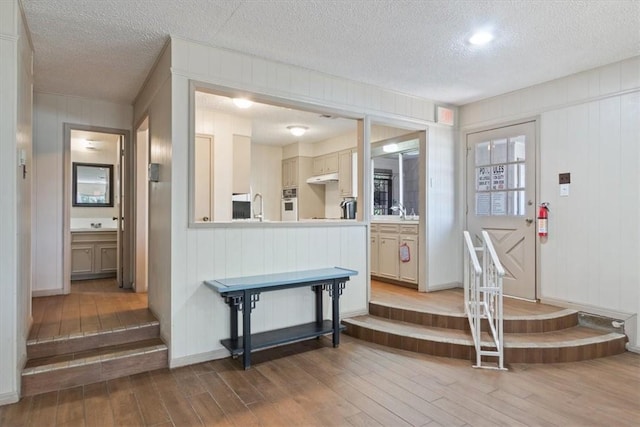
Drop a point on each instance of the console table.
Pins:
(242, 294)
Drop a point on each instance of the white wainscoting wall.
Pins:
(16, 82)
(590, 127)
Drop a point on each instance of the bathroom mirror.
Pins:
(92, 185)
(396, 175)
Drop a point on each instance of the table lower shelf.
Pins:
(267, 339)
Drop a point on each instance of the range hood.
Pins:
(323, 179)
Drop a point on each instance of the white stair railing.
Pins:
(483, 299)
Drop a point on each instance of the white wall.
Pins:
(51, 112)
(445, 227)
(154, 101)
(16, 82)
(590, 127)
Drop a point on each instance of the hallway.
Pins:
(92, 305)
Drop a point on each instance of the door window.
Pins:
(500, 177)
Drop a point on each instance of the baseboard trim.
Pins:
(47, 292)
(9, 398)
(588, 308)
(444, 286)
(198, 358)
(354, 313)
(633, 349)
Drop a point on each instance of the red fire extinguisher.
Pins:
(543, 217)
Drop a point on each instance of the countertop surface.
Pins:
(92, 230)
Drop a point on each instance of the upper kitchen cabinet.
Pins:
(347, 173)
(325, 164)
(290, 173)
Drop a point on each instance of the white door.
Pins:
(501, 200)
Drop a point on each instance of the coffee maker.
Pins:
(348, 209)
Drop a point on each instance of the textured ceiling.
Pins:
(104, 49)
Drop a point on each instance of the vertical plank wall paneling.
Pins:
(589, 127)
(199, 317)
(51, 112)
(16, 81)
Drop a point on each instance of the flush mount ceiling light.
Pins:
(481, 38)
(297, 130)
(390, 148)
(242, 102)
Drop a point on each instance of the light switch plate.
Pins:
(154, 172)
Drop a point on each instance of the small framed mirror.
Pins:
(92, 185)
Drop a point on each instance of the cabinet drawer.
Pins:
(99, 236)
(409, 229)
(388, 228)
(374, 228)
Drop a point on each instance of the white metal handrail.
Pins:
(483, 298)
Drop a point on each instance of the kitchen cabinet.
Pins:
(203, 182)
(93, 254)
(347, 173)
(374, 253)
(325, 164)
(385, 251)
(290, 173)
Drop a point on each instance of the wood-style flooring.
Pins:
(357, 384)
(449, 301)
(313, 384)
(92, 305)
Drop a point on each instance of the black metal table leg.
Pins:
(335, 300)
(246, 329)
(319, 315)
(233, 320)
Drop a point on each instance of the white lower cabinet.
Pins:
(386, 240)
(93, 254)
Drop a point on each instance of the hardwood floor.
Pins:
(358, 384)
(92, 305)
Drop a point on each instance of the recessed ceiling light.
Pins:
(297, 130)
(242, 102)
(481, 38)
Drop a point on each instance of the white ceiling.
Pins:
(104, 49)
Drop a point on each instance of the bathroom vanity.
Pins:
(94, 253)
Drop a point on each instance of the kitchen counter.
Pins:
(395, 221)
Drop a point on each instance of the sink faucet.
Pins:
(259, 216)
(399, 207)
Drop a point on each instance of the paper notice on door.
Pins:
(483, 178)
(483, 204)
(499, 181)
(499, 203)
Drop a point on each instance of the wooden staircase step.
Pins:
(85, 367)
(524, 323)
(567, 345)
(81, 341)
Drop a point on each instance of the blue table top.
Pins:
(278, 279)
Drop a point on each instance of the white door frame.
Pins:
(127, 186)
(463, 144)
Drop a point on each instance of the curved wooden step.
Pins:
(559, 319)
(566, 345)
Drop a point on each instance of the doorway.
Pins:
(98, 185)
(501, 199)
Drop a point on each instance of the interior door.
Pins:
(501, 200)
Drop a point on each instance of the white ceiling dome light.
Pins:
(297, 130)
(242, 102)
(480, 38)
